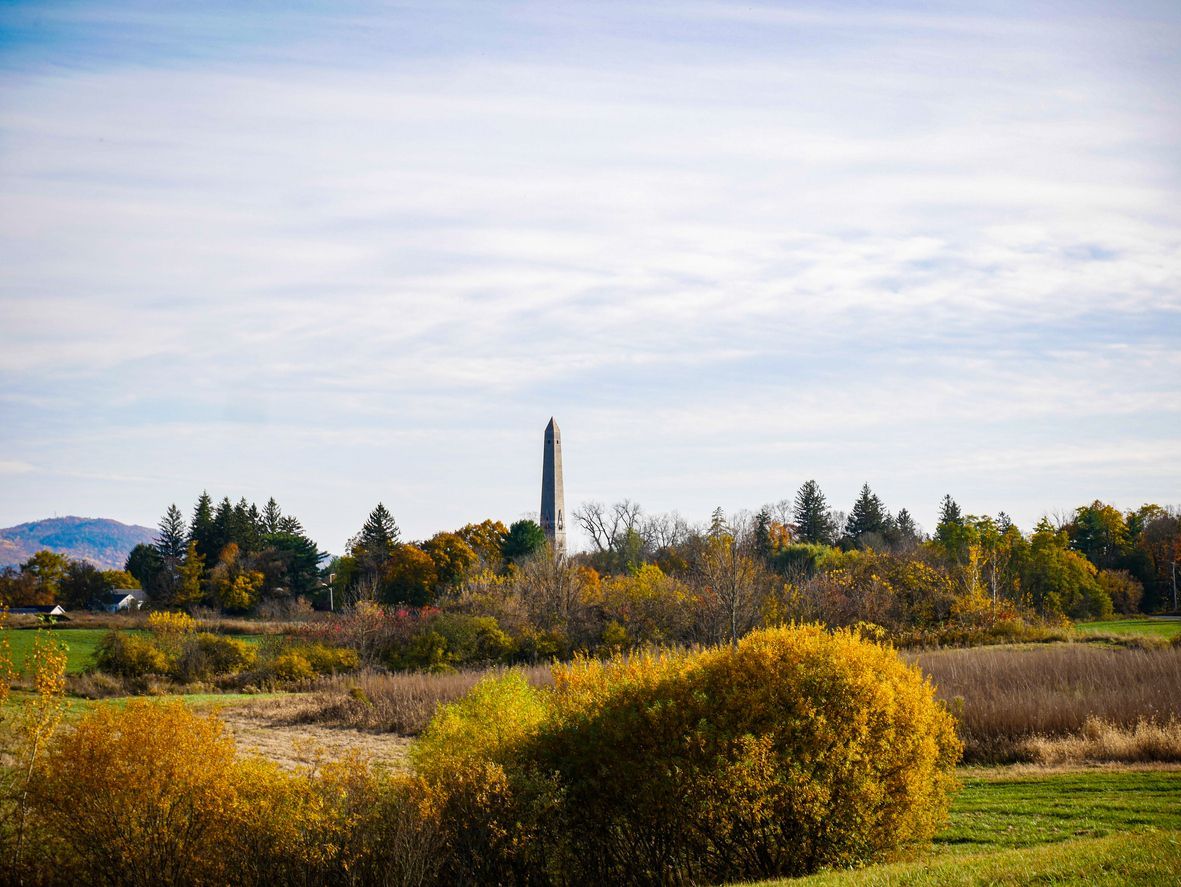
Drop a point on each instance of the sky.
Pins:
(342, 253)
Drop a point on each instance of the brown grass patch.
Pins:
(1102, 741)
(1004, 697)
(264, 728)
(394, 703)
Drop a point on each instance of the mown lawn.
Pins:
(1163, 628)
(80, 644)
(1066, 828)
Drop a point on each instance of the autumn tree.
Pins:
(454, 559)
(410, 576)
(1100, 533)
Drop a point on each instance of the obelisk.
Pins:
(553, 499)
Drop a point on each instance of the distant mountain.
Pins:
(105, 543)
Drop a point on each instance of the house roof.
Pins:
(117, 597)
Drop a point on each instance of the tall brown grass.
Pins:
(1101, 740)
(1005, 697)
(396, 703)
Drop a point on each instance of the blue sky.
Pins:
(342, 253)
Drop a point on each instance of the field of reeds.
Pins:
(1050, 704)
(1016, 704)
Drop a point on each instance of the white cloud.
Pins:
(824, 223)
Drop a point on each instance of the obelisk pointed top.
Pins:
(552, 426)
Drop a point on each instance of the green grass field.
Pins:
(1162, 628)
(1071, 828)
(80, 645)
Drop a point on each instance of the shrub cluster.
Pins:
(175, 650)
(155, 794)
(792, 751)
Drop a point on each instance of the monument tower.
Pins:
(553, 499)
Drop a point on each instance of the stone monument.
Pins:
(553, 499)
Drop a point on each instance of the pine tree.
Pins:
(173, 534)
(380, 533)
(951, 534)
(907, 530)
(223, 520)
(813, 521)
(717, 524)
(271, 515)
(290, 525)
(869, 516)
(188, 589)
(202, 529)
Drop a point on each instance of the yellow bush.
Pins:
(796, 750)
(131, 793)
(206, 655)
(329, 660)
(292, 666)
(131, 655)
(171, 622)
(799, 749)
(154, 794)
(491, 823)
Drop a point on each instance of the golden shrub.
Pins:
(129, 795)
(329, 660)
(171, 622)
(799, 749)
(291, 666)
(155, 794)
(796, 750)
(131, 655)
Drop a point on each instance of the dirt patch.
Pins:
(264, 728)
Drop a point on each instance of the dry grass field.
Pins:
(1013, 703)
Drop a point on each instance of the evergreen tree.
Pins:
(173, 535)
(290, 526)
(144, 564)
(717, 524)
(188, 590)
(271, 515)
(380, 533)
(524, 538)
(223, 521)
(952, 532)
(813, 521)
(905, 529)
(761, 538)
(243, 529)
(202, 529)
(868, 517)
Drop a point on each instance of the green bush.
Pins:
(130, 655)
(203, 656)
(794, 751)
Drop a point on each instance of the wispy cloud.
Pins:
(378, 247)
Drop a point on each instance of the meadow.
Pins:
(1094, 710)
(1008, 827)
(1159, 628)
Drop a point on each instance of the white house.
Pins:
(123, 600)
